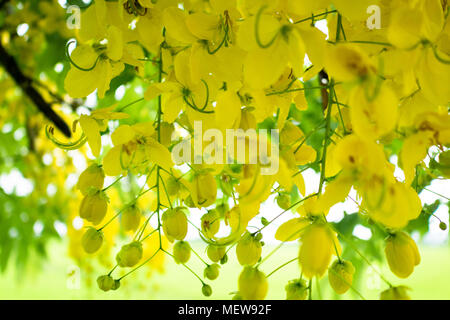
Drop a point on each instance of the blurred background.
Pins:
(40, 252)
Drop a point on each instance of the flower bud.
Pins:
(296, 290)
(92, 177)
(211, 272)
(206, 290)
(131, 217)
(130, 254)
(252, 284)
(189, 202)
(442, 226)
(318, 245)
(222, 208)
(402, 254)
(105, 282)
(173, 186)
(182, 252)
(116, 284)
(215, 253)
(175, 224)
(205, 189)
(284, 201)
(224, 259)
(94, 206)
(248, 250)
(395, 293)
(92, 240)
(340, 276)
(210, 223)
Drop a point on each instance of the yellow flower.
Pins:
(373, 117)
(92, 240)
(252, 284)
(248, 250)
(347, 62)
(210, 223)
(292, 229)
(133, 147)
(414, 150)
(94, 206)
(318, 243)
(93, 67)
(402, 254)
(96, 123)
(392, 204)
(204, 190)
(92, 177)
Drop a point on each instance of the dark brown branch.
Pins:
(10, 65)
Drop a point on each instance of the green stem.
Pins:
(326, 140)
(195, 274)
(143, 263)
(117, 180)
(313, 17)
(282, 266)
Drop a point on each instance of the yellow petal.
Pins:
(92, 131)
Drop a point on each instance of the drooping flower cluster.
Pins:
(241, 65)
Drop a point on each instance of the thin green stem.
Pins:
(326, 140)
(142, 264)
(282, 266)
(193, 272)
(314, 17)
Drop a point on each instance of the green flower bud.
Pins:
(105, 282)
(340, 276)
(206, 290)
(224, 259)
(252, 284)
(94, 206)
(284, 201)
(182, 252)
(92, 177)
(116, 285)
(175, 224)
(296, 290)
(92, 240)
(248, 250)
(211, 272)
(130, 254)
(131, 217)
(215, 253)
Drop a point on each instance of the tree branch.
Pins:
(11, 66)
